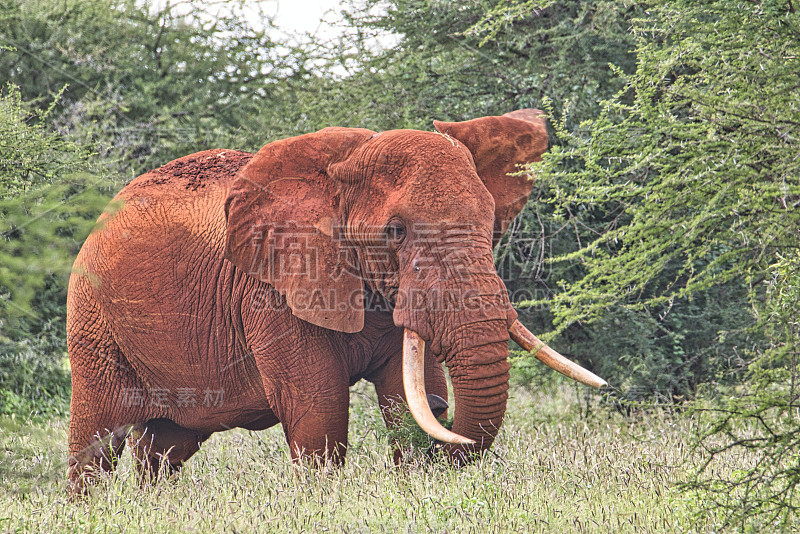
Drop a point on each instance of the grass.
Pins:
(560, 464)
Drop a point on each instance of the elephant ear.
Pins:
(498, 146)
(283, 214)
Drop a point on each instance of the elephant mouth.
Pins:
(414, 377)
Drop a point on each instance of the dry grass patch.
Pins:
(556, 467)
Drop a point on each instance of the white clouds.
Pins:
(293, 17)
(306, 16)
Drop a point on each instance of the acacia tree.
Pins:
(436, 61)
(761, 420)
(701, 165)
(698, 159)
(49, 198)
(148, 84)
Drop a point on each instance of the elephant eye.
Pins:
(395, 232)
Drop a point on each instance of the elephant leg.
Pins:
(316, 427)
(107, 399)
(388, 381)
(161, 442)
(307, 386)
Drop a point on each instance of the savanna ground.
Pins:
(563, 462)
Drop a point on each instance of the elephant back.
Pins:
(169, 222)
(193, 173)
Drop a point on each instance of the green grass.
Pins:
(560, 464)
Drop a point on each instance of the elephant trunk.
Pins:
(479, 372)
(465, 318)
(480, 375)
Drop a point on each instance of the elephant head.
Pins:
(408, 217)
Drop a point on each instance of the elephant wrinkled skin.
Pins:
(244, 290)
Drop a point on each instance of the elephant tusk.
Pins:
(414, 385)
(523, 337)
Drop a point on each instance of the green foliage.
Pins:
(762, 417)
(48, 204)
(700, 168)
(679, 192)
(149, 85)
(43, 230)
(441, 64)
(30, 154)
(34, 374)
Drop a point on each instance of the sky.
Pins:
(302, 15)
(292, 16)
(296, 20)
(299, 18)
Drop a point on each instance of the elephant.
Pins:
(228, 289)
